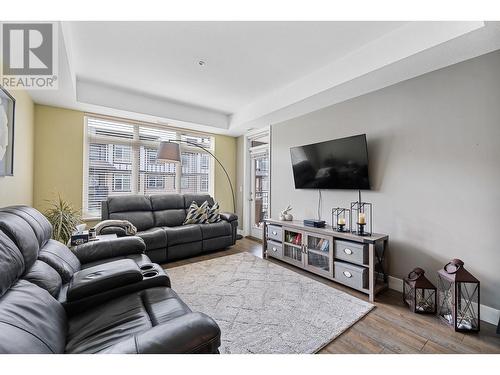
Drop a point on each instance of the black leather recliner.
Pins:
(159, 220)
(42, 284)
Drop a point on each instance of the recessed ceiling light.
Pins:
(201, 63)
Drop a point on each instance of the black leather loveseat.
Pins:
(106, 297)
(159, 221)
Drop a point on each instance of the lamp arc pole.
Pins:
(216, 159)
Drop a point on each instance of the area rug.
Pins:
(262, 307)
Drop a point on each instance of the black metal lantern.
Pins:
(458, 297)
(419, 293)
(341, 217)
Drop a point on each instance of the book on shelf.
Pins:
(324, 245)
(319, 244)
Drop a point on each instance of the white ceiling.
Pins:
(244, 60)
(254, 71)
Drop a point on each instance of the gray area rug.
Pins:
(262, 307)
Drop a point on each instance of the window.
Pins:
(195, 172)
(120, 158)
(122, 154)
(155, 182)
(121, 182)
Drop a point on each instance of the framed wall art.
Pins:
(7, 114)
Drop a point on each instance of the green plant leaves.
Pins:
(64, 219)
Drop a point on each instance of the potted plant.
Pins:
(64, 219)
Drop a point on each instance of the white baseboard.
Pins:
(488, 314)
(395, 284)
(240, 232)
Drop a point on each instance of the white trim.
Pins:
(247, 171)
(488, 314)
(85, 168)
(395, 284)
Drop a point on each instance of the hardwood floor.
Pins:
(390, 327)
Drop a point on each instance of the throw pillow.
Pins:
(213, 215)
(196, 214)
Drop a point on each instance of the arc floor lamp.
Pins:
(169, 151)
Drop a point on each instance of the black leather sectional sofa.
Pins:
(159, 218)
(105, 297)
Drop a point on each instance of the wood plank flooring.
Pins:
(389, 328)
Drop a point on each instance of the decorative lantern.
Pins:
(458, 297)
(419, 293)
(341, 217)
(361, 212)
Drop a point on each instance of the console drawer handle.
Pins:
(347, 274)
(275, 249)
(348, 251)
(275, 233)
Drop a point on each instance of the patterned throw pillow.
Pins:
(196, 214)
(213, 215)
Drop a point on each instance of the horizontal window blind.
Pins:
(121, 159)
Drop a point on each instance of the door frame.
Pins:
(247, 171)
(256, 152)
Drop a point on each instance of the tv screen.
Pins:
(336, 164)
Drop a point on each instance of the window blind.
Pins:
(121, 159)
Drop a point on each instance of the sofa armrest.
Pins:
(103, 249)
(119, 231)
(101, 278)
(228, 216)
(190, 333)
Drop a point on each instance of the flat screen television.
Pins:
(337, 164)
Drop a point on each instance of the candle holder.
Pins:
(362, 213)
(340, 218)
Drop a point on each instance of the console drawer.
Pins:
(351, 275)
(274, 232)
(351, 251)
(274, 249)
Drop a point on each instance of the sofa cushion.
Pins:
(142, 220)
(183, 234)
(21, 233)
(155, 238)
(32, 321)
(198, 198)
(161, 202)
(11, 263)
(127, 203)
(222, 228)
(60, 258)
(134, 208)
(168, 209)
(45, 277)
(169, 218)
(99, 328)
(38, 222)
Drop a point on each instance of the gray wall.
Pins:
(434, 148)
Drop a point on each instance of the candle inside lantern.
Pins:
(341, 221)
(361, 218)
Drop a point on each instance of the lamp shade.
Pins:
(169, 152)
